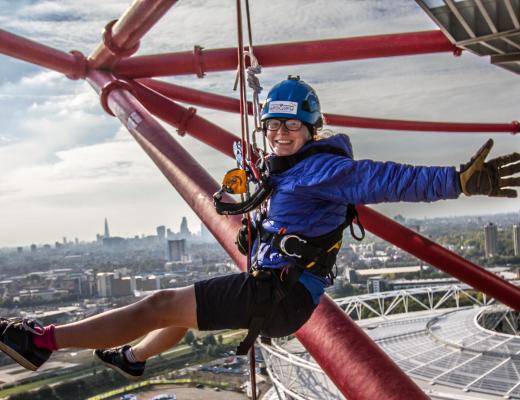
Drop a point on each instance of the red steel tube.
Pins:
(176, 115)
(192, 182)
(196, 186)
(434, 254)
(24, 49)
(351, 359)
(420, 126)
(229, 104)
(138, 19)
(194, 96)
(356, 48)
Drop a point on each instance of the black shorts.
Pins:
(226, 302)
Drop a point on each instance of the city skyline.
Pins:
(69, 239)
(62, 159)
(202, 230)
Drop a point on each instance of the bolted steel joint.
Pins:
(108, 41)
(105, 91)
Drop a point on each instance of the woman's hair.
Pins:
(323, 133)
(320, 132)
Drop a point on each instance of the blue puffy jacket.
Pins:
(311, 197)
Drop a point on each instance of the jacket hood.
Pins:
(339, 140)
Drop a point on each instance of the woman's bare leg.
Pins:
(158, 341)
(169, 307)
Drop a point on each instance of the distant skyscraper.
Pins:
(161, 231)
(176, 250)
(184, 231)
(516, 239)
(491, 239)
(107, 232)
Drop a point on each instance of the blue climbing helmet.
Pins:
(293, 99)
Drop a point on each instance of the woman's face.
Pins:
(285, 142)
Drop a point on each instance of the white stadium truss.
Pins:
(431, 343)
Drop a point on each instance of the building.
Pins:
(176, 250)
(107, 232)
(491, 240)
(161, 231)
(184, 230)
(516, 239)
(104, 284)
(377, 284)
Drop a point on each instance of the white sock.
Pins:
(129, 355)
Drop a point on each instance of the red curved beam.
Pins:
(420, 126)
(355, 363)
(229, 104)
(24, 49)
(357, 48)
(178, 116)
(138, 19)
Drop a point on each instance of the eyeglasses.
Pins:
(290, 124)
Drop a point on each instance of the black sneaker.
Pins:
(115, 359)
(16, 340)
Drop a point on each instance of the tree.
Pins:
(45, 393)
(189, 338)
(209, 340)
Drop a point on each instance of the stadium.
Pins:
(444, 347)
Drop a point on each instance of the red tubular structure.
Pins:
(421, 126)
(196, 187)
(122, 37)
(351, 359)
(70, 64)
(229, 104)
(434, 254)
(184, 120)
(200, 61)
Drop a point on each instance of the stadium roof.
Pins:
(484, 27)
(448, 353)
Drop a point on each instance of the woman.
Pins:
(297, 237)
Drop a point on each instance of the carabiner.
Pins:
(287, 237)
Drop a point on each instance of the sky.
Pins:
(65, 165)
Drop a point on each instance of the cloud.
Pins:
(65, 164)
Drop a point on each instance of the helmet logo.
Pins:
(283, 107)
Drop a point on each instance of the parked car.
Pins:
(165, 396)
(128, 396)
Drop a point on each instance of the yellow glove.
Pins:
(490, 178)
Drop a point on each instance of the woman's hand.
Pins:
(492, 177)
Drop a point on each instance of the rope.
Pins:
(246, 145)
